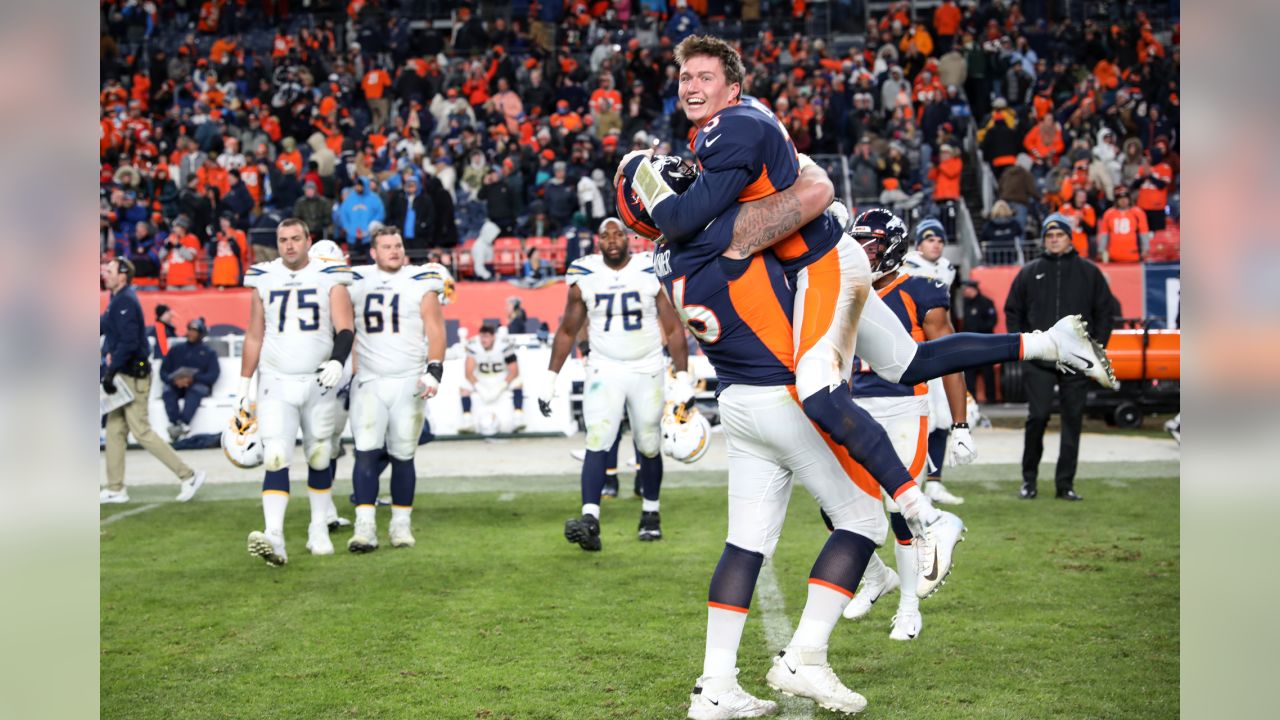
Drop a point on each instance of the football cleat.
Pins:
(940, 495)
(520, 424)
(364, 539)
(318, 541)
(610, 489)
(800, 672)
(111, 497)
(1077, 352)
(935, 547)
(336, 521)
(401, 533)
(585, 531)
(1028, 491)
(906, 625)
(872, 589)
(1174, 428)
(268, 547)
(1068, 495)
(724, 699)
(187, 489)
(650, 526)
(468, 425)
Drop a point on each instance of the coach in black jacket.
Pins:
(1058, 283)
(419, 230)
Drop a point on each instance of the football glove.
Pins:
(109, 383)
(682, 392)
(329, 373)
(961, 450)
(244, 402)
(430, 380)
(547, 393)
(650, 186)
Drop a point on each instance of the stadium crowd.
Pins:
(220, 118)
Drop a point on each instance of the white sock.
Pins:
(909, 574)
(400, 513)
(819, 618)
(591, 509)
(724, 633)
(649, 505)
(1038, 346)
(320, 502)
(274, 503)
(331, 511)
(875, 571)
(366, 513)
(915, 506)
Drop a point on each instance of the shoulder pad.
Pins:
(341, 274)
(258, 272)
(730, 140)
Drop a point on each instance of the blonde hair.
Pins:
(1001, 210)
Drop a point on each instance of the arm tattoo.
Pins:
(763, 222)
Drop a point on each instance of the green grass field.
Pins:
(1054, 610)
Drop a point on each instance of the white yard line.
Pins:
(777, 633)
(506, 497)
(129, 513)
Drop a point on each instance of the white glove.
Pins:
(617, 175)
(841, 214)
(428, 385)
(805, 162)
(329, 373)
(682, 390)
(494, 393)
(961, 450)
(650, 187)
(547, 393)
(245, 403)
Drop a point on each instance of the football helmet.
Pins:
(677, 173)
(240, 441)
(685, 435)
(884, 236)
(327, 251)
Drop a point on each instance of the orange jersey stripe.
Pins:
(819, 301)
(922, 448)
(755, 302)
(852, 469)
(730, 608)
(830, 586)
(759, 188)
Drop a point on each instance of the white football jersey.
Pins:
(299, 328)
(491, 364)
(941, 271)
(622, 309)
(390, 339)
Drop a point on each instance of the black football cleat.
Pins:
(1068, 495)
(1028, 491)
(585, 531)
(650, 526)
(610, 489)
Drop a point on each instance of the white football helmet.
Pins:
(326, 251)
(240, 441)
(685, 436)
(450, 288)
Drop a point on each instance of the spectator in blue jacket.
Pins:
(683, 23)
(361, 207)
(189, 372)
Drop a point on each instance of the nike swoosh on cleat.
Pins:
(933, 573)
(1088, 364)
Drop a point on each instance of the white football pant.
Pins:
(287, 402)
(610, 388)
(830, 294)
(387, 411)
(906, 422)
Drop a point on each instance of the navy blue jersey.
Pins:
(910, 298)
(745, 154)
(740, 310)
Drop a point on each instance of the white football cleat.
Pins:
(940, 495)
(802, 672)
(364, 539)
(111, 497)
(724, 699)
(1174, 428)
(268, 547)
(906, 625)
(318, 541)
(188, 488)
(935, 546)
(467, 426)
(1080, 353)
(519, 421)
(401, 533)
(871, 590)
(336, 521)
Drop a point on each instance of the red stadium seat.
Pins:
(506, 243)
(507, 261)
(1166, 245)
(462, 260)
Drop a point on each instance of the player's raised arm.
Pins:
(252, 349)
(575, 318)
(762, 223)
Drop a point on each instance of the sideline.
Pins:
(129, 513)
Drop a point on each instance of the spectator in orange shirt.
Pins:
(289, 154)
(946, 175)
(1123, 234)
(566, 118)
(1084, 221)
(375, 85)
(1152, 184)
(1044, 142)
(178, 257)
(946, 23)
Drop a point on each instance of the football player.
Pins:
(617, 296)
(399, 361)
(300, 334)
(493, 378)
(923, 307)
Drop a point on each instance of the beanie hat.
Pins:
(1056, 221)
(930, 224)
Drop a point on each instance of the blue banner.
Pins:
(1163, 297)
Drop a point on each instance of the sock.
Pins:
(611, 457)
(593, 465)
(649, 505)
(901, 532)
(835, 575)
(366, 513)
(403, 481)
(958, 351)
(865, 439)
(466, 403)
(1036, 346)
(401, 513)
(909, 574)
(275, 498)
(364, 478)
(319, 484)
(517, 399)
(331, 510)
(383, 461)
(937, 452)
(875, 571)
(333, 471)
(651, 476)
(728, 602)
(592, 509)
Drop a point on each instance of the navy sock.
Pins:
(365, 476)
(901, 532)
(651, 476)
(466, 403)
(277, 480)
(403, 481)
(937, 451)
(333, 471)
(383, 461)
(865, 439)
(611, 455)
(593, 476)
(958, 351)
(735, 578)
(843, 560)
(319, 479)
(426, 435)
(517, 398)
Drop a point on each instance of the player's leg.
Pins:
(341, 411)
(468, 423)
(369, 417)
(610, 489)
(279, 403)
(318, 426)
(604, 397)
(404, 424)
(645, 400)
(939, 432)
(517, 403)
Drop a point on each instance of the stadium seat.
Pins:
(507, 261)
(1166, 245)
